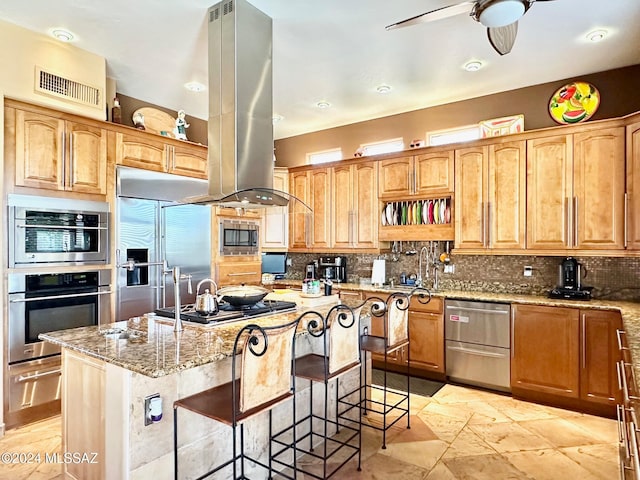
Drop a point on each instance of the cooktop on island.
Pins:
(227, 312)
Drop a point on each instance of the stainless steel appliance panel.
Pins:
(138, 228)
(151, 228)
(239, 237)
(482, 323)
(56, 231)
(480, 365)
(187, 244)
(33, 383)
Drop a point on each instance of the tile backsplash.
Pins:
(612, 278)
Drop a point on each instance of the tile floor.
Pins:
(458, 434)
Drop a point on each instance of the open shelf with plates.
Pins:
(424, 219)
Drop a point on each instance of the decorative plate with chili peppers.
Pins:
(573, 103)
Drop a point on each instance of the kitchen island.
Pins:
(109, 371)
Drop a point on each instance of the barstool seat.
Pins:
(339, 334)
(267, 357)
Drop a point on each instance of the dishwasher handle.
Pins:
(479, 310)
(480, 353)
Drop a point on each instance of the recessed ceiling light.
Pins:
(323, 104)
(277, 118)
(596, 35)
(383, 89)
(195, 87)
(473, 66)
(62, 34)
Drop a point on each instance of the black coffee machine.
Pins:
(311, 271)
(333, 268)
(570, 273)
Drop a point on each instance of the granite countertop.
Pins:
(148, 344)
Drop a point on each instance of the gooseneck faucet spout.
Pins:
(177, 276)
(423, 252)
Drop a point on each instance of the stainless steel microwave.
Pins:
(57, 231)
(239, 237)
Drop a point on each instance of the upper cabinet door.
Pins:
(633, 186)
(299, 222)
(342, 206)
(320, 190)
(87, 159)
(141, 151)
(599, 184)
(471, 200)
(395, 177)
(365, 205)
(507, 195)
(549, 192)
(189, 160)
(40, 145)
(434, 173)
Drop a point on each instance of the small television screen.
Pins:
(274, 262)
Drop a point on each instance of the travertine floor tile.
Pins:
(509, 437)
(521, 411)
(604, 429)
(484, 412)
(600, 460)
(467, 443)
(441, 472)
(484, 467)
(560, 432)
(382, 467)
(547, 465)
(422, 454)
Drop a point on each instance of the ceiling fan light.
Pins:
(472, 66)
(500, 13)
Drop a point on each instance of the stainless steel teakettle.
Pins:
(206, 303)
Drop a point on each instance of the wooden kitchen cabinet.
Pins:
(354, 209)
(545, 350)
(565, 352)
(425, 175)
(426, 335)
(490, 196)
(633, 186)
(275, 220)
(150, 152)
(310, 230)
(598, 356)
(238, 273)
(56, 154)
(576, 186)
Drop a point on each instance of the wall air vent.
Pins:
(51, 84)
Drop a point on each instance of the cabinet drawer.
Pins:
(434, 305)
(239, 273)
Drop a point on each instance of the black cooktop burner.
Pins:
(228, 312)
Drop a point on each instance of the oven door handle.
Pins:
(35, 376)
(55, 297)
(61, 227)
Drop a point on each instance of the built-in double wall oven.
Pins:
(58, 279)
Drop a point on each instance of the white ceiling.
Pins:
(339, 51)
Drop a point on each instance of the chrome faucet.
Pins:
(419, 280)
(177, 276)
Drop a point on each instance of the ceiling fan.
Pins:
(499, 16)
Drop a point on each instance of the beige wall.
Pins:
(618, 90)
(21, 50)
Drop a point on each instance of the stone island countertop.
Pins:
(148, 344)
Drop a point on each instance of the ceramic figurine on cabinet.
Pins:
(181, 126)
(138, 120)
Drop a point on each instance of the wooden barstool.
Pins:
(394, 311)
(338, 354)
(267, 357)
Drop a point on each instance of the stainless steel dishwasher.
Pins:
(478, 343)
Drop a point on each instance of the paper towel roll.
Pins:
(378, 272)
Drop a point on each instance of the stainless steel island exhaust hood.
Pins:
(240, 109)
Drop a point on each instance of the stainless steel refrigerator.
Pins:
(151, 228)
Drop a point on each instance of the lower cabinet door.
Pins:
(545, 350)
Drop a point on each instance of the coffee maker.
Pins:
(333, 268)
(311, 272)
(570, 281)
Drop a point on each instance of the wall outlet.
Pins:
(289, 262)
(449, 268)
(528, 271)
(152, 409)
